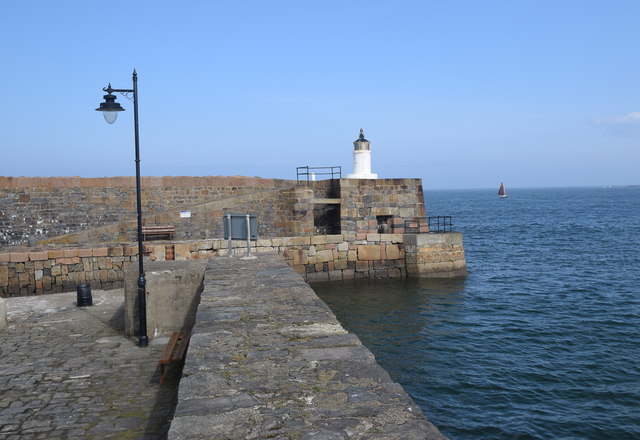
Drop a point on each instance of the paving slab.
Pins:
(68, 372)
(268, 359)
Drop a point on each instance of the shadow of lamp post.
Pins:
(110, 109)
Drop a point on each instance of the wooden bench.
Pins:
(154, 230)
(175, 351)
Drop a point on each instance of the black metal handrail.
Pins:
(440, 224)
(311, 172)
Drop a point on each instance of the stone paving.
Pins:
(68, 372)
(268, 359)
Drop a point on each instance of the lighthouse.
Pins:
(362, 159)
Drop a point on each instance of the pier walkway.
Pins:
(267, 359)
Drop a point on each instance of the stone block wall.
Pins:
(364, 200)
(281, 212)
(317, 258)
(35, 272)
(435, 255)
(43, 207)
(75, 211)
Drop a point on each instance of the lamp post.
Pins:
(110, 109)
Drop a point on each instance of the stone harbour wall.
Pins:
(365, 200)
(38, 272)
(43, 207)
(435, 255)
(78, 211)
(279, 213)
(317, 258)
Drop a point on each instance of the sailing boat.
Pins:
(501, 192)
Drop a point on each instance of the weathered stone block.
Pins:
(318, 239)
(340, 264)
(67, 261)
(317, 276)
(130, 251)
(373, 238)
(300, 268)
(324, 256)
(301, 241)
(300, 257)
(100, 252)
(5, 257)
(181, 251)
(392, 251)
(83, 253)
(38, 256)
(116, 251)
(348, 274)
(4, 276)
(70, 253)
(368, 252)
(18, 257)
(352, 255)
(394, 273)
(205, 245)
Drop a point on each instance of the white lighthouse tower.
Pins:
(362, 159)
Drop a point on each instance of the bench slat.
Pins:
(151, 230)
(171, 345)
(182, 345)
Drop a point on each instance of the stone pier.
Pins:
(268, 359)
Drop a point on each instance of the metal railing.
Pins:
(440, 224)
(312, 172)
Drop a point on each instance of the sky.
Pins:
(463, 94)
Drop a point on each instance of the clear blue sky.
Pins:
(463, 94)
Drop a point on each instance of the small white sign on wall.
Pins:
(185, 214)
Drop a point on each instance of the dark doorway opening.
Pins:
(326, 219)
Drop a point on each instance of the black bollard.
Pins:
(84, 295)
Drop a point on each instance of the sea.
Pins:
(540, 341)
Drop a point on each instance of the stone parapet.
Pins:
(46, 207)
(28, 272)
(435, 255)
(317, 258)
(268, 359)
(173, 293)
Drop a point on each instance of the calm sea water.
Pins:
(541, 340)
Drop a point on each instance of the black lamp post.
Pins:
(110, 109)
